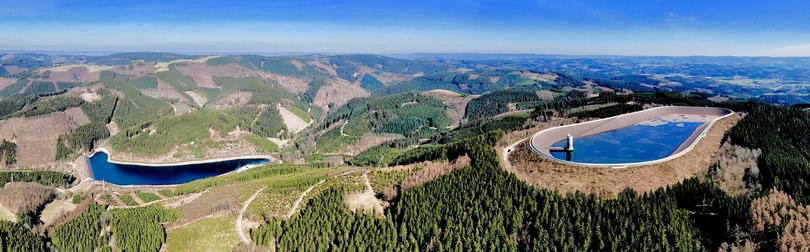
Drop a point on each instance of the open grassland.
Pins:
(56, 209)
(6, 214)
(212, 234)
(262, 144)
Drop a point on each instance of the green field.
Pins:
(212, 234)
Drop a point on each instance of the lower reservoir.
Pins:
(128, 174)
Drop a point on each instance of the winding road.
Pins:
(245, 205)
(301, 198)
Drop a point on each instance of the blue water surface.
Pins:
(120, 174)
(631, 144)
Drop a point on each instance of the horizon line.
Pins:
(294, 53)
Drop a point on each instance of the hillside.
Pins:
(380, 153)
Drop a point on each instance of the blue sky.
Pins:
(616, 27)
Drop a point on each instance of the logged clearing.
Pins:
(36, 136)
(76, 115)
(198, 98)
(90, 68)
(5, 82)
(365, 200)
(164, 66)
(296, 85)
(203, 74)
(369, 140)
(90, 96)
(543, 172)
(164, 90)
(294, 123)
(457, 104)
(231, 100)
(76, 73)
(338, 92)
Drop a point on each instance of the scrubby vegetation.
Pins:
(8, 152)
(782, 135)
(25, 196)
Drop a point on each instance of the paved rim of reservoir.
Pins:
(540, 141)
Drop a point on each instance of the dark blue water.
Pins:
(120, 174)
(635, 143)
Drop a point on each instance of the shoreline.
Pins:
(89, 170)
(181, 163)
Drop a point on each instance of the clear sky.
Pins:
(615, 27)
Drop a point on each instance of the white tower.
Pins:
(570, 146)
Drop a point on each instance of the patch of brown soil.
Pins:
(294, 123)
(15, 69)
(5, 82)
(36, 137)
(457, 104)
(136, 70)
(164, 90)
(417, 174)
(370, 140)
(323, 65)
(292, 84)
(75, 74)
(203, 74)
(388, 78)
(77, 116)
(543, 172)
(215, 200)
(298, 64)
(230, 100)
(338, 92)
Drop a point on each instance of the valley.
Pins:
(377, 153)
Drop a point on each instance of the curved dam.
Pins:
(639, 138)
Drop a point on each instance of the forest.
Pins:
(497, 102)
(503, 213)
(8, 152)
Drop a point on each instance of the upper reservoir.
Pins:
(127, 174)
(638, 138)
(645, 141)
